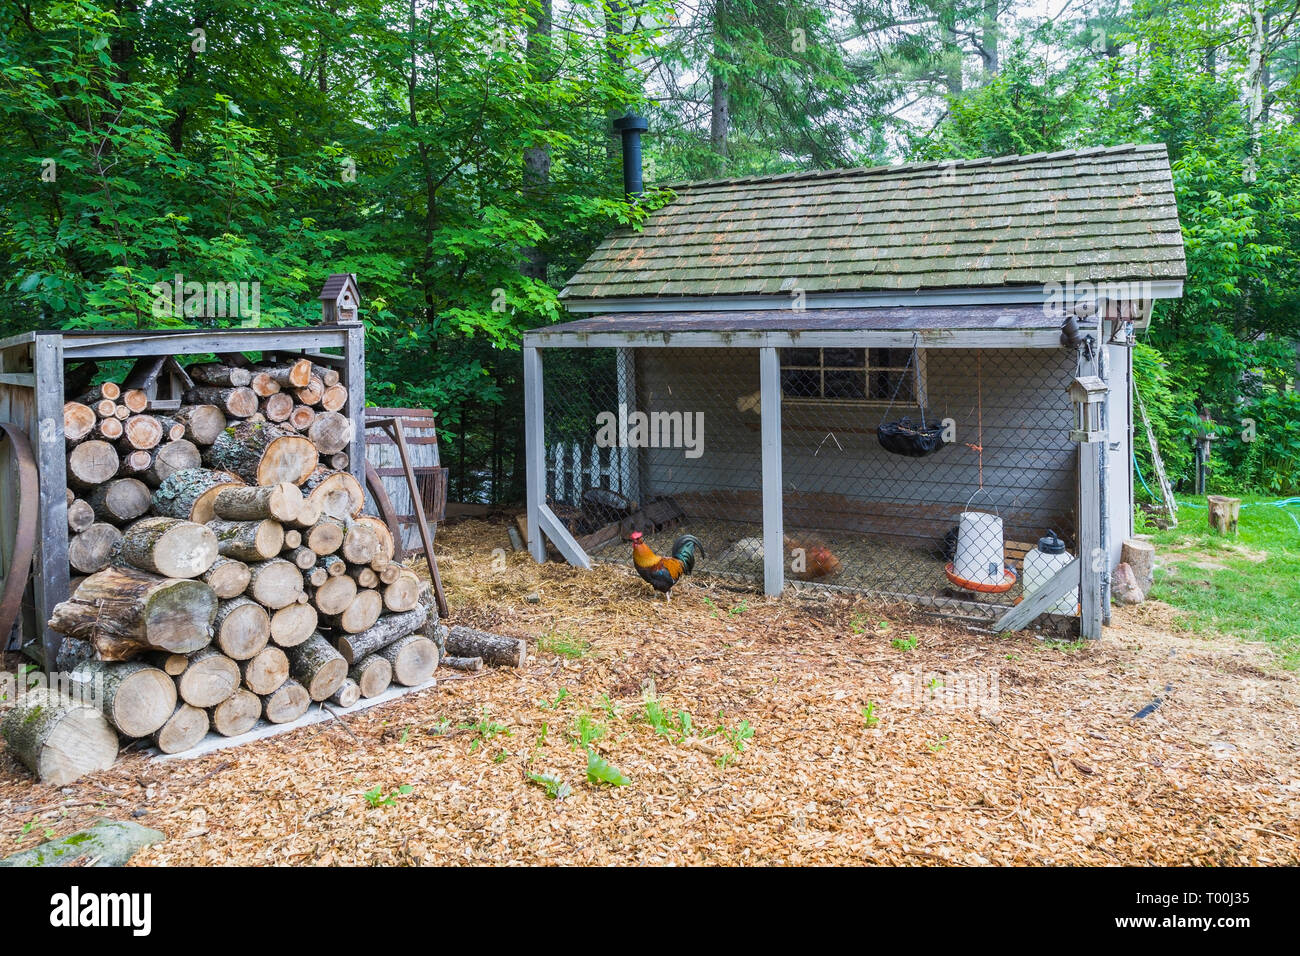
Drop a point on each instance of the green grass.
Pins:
(1248, 586)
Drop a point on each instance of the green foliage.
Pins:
(600, 770)
(555, 787)
(376, 797)
(484, 730)
(562, 644)
(869, 718)
(907, 643)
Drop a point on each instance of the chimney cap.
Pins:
(631, 123)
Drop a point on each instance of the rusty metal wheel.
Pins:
(18, 479)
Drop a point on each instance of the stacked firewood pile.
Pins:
(225, 570)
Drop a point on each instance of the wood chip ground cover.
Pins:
(980, 749)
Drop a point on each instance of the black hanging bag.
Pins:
(904, 437)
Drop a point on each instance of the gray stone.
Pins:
(107, 843)
(1124, 587)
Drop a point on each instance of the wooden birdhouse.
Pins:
(1087, 393)
(340, 300)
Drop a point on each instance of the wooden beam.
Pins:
(555, 337)
(769, 375)
(534, 451)
(353, 377)
(553, 528)
(21, 379)
(189, 341)
(50, 579)
(1065, 580)
(629, 458)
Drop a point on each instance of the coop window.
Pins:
(852, 375)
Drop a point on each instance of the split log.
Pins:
(462, 663)
(347, 694)
(361, 613)
(237, 714)
(1140, 555)
(120, 500)
(294, 375)
(140, 433)
(137, 698)
(275, 583)
(277, 407)
(264, 385)
(227, 577)
(173, 665)
(334, 398)
(372, 674)
(292, 625)
(266, 671)
(263, 454)
(136, 400)
(325, 536)
(389, 575)
(78, 422)
(241, 628)
(280, 501)
(331, 432)
(292, 539)
(333, 566)
(172, 429)
(95, 548)
(109, 430)
(248, 540)
(91, 463)
(174, 456)
(493, 648)
(122, 412)
(311, 393)
(335, 595)
(203, 423)
(171, 547)
(404, 592)
(135, 464)
(340, 461)
(308, 515)
(414, 659)
(191, 494)
(105, 408)
(107, 391)
(304, 558)
(211, 678)
(122, 611)
(364, 576)
(354, 647)
(301, 417)
(360, 543)
(317, 666)
(328, 376)
(235, 402)
(338, 493)
(315, 577)
(382, 535)
(184, 729)
(215, 373)
(58, 738)
(289, 702)
(80, 515)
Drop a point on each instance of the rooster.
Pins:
(663, 573)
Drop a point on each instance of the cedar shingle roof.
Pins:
(1090, 215)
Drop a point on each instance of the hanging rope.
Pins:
(978, 447)
(913, 362)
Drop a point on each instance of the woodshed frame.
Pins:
(31, 397)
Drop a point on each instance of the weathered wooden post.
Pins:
(1087, 394)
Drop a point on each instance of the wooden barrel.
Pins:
(422, 446)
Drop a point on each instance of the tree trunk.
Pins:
(215, 373)
(78, 422)
(1140, 556)
(372, 674)
(141, 433)
(136, 400)
(332, 565)
(325, 536)
(414, 659)
(173, 665)
(80, 515)
(174, 456)
(317, 666)
(354, 647)
(237, 714)
(301, 417)
(294, 375)
(292, 625)
(136, 697)
(493, 648)
(990, 39)
(281, 501)
(383, 535)
(263, 454)
(1224, 513)
(364, 576)
(266, 671)
(329, 376)
(275, 583)
(264, 385)
(242, 628)
(110, 430)
(171, 547)
(311, 393)
(122, 612)
(360, 543)
(92, 463)
(347, 694)
(331, 432)
(120, 500)
(203, 423)
(462, 663)
(190, 495)
(58, 739)
(227, 577)
(335, 595)
(95, 548)
(403, 593)
(211, 678)
(277, 407)
(289, 702)
(248, 540)
(236, 402)
(720, 105)
(334, 399)
(361, 613)
(172, 430)
(105, 391)
(185, 728)
(304, 558)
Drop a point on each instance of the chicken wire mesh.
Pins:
(941, 506)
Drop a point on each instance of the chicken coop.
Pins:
(912, 382)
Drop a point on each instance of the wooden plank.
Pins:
(534, 450)
(1093, 558)
(629, 459)
(1065, 580)
(132, 345)
(51, 577)
(23, 338)
(353, 377)
(551, 526)
(769, 367)
(21, 379)
(862, 338)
